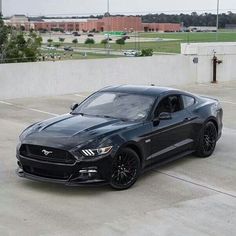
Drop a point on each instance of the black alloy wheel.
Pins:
(207, 140)
(125, 169)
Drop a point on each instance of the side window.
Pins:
(163, 106)
(169, 104)
(187, 101)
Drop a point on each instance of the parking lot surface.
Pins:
(191, 196)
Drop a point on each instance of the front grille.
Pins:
(46, 154)
(55, 174)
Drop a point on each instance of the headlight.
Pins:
(96, 152)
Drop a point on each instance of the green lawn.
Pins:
(74, 55)
(194, 37)
(172, 46)
(168, 47)
(161, 46)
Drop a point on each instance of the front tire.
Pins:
(125, 169)
(207, 140)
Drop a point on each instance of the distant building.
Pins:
(162, 27)
(107, 23)
(19, 21)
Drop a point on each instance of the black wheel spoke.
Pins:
(124, 169)
(209, 139)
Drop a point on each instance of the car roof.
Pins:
(142, 90)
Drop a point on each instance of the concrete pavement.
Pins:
(190, 196)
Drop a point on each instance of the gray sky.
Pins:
(73, 7)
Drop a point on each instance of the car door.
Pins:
(170, 136)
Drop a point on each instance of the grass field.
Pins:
(172, 46)
(59, 55)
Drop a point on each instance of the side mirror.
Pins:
(165, 116)
(74, 106)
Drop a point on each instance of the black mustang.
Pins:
(117, 133)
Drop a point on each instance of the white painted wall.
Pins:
(228, 48)
(65, 77)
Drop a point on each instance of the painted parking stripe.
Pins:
(79, 95)
(7, 103)
(233, 103)
(29, 109)
(45, 112)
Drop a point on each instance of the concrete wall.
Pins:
(64, 77)
(203, 49)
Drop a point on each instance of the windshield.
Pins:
(117, 105)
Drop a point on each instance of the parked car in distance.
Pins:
(76, 34)
(125, 37)
(90, 35)
(132, 53)
(51, 48)
(118, 133)
(68, 48)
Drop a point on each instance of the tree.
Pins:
(57, 45)
(61, 40)
(50, 41)
(120, 42)
(104, 42)
(22, 28)
(89, 42)
(3, 38)
(75, 42)
(14, 47)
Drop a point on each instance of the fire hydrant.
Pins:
(215, 63)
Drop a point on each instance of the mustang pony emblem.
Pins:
(45, 152)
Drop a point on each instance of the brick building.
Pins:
(112, 23)
(161, 27)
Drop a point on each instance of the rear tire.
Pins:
(207, 140)
(125, 169)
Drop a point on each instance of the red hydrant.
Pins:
(215, 62)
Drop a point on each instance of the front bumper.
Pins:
(89, 172)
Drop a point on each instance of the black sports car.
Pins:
(117, 133)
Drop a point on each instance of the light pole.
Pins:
(0, 7)
(108, 20)
(108, 6)
(217, 19)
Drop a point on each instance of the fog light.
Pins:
(88, 171)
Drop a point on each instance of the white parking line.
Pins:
(45, 112)
(233, 103)
(79, 95)
(29, 109)
(6, 103)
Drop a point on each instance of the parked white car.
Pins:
(132, 53)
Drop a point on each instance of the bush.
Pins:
(89, 41)
(148, 52)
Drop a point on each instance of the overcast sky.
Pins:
(84, 7)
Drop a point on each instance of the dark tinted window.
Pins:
(169, 104)
(187, 101)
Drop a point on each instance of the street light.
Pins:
(108, 34)
(217, 19)
(1, 8)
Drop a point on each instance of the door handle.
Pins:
(187, 119)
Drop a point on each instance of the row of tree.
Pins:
(193, 19)
(88, 41)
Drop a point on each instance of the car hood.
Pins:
(69, 131)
